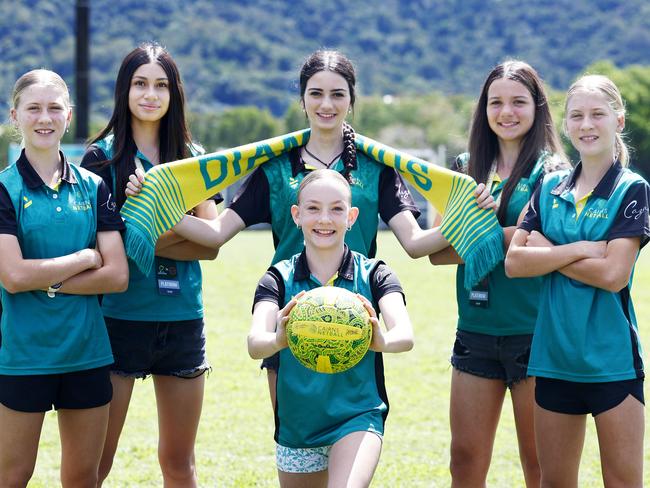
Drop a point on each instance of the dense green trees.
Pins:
(420, 63)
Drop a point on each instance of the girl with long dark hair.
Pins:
(156, 326)
(512, 144)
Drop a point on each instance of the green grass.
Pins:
(235, 445)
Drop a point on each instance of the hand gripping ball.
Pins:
(329, 329)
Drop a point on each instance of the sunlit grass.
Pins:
(235, 445)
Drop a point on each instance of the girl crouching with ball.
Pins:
(329, 427)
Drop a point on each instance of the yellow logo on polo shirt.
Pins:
(27, 203)
(81, 206)
(555, 204)
(596, 213)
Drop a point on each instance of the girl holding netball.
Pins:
(329, 427)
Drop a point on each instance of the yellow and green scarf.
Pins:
(172, 189)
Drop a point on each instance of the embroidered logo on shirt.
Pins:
(27, 203)
(633, 211)
(555, 204)
(81, 206)
(596, 213)
(110, 205)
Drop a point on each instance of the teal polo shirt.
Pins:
(268, 194)
(512, 302)
(317, 409)
(142, 300)
(43, 335)
(583, 333)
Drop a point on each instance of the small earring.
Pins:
(349, 228)
(298, 227)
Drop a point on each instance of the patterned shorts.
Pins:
(302, 459)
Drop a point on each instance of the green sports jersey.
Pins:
(583, 333)
(268, 194)
(143, 301)
(511, 307)
(64, 333)
(316, 409)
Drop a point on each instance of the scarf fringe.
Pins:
(483, 256)
(139, 248)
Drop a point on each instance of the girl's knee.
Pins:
(16, 477)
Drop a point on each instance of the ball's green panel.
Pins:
(329, 329)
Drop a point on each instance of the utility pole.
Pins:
(82, 69)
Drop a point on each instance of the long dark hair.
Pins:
(483, 142)
(174, 134)
(336, 62)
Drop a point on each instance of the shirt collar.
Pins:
(346, 270)
(298, 165)
(603, 189)
(30, 176)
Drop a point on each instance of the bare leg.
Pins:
(353, 460)
(18, 446)
(83, 433)
(620, 437)
(179, 403)
(475, 408)
(122, 390)
(523, 405)
(302, 480)
(559, 439)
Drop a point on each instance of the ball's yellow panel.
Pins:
(329, 329)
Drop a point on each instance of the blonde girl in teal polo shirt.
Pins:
(512, 144)
(61, 246)
(156, 327)
(329, 427)
(582, 233)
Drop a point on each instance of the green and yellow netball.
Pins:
(329, 329)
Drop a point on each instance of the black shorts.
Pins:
(573, 398)
(142, 348)
(89, 388)
(493, 357)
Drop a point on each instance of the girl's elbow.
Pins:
(512, 267)
(13, 283)
(409, 344)
(122, 281)
(253, 351)
(615, 282)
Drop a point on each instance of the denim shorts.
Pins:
(572, 398)
(143, 348)
(493, 357)
(89, 388)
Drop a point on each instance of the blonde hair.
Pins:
(606, 87)
(319, 174)
(39, 77)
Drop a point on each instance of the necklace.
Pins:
(336, 158)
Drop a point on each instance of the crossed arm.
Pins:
(601, 264)
(85, 272)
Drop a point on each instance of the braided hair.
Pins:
(349, 156)
(326, 60)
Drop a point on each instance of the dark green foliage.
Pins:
(249, 52)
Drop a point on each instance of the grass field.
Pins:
(235, 446)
